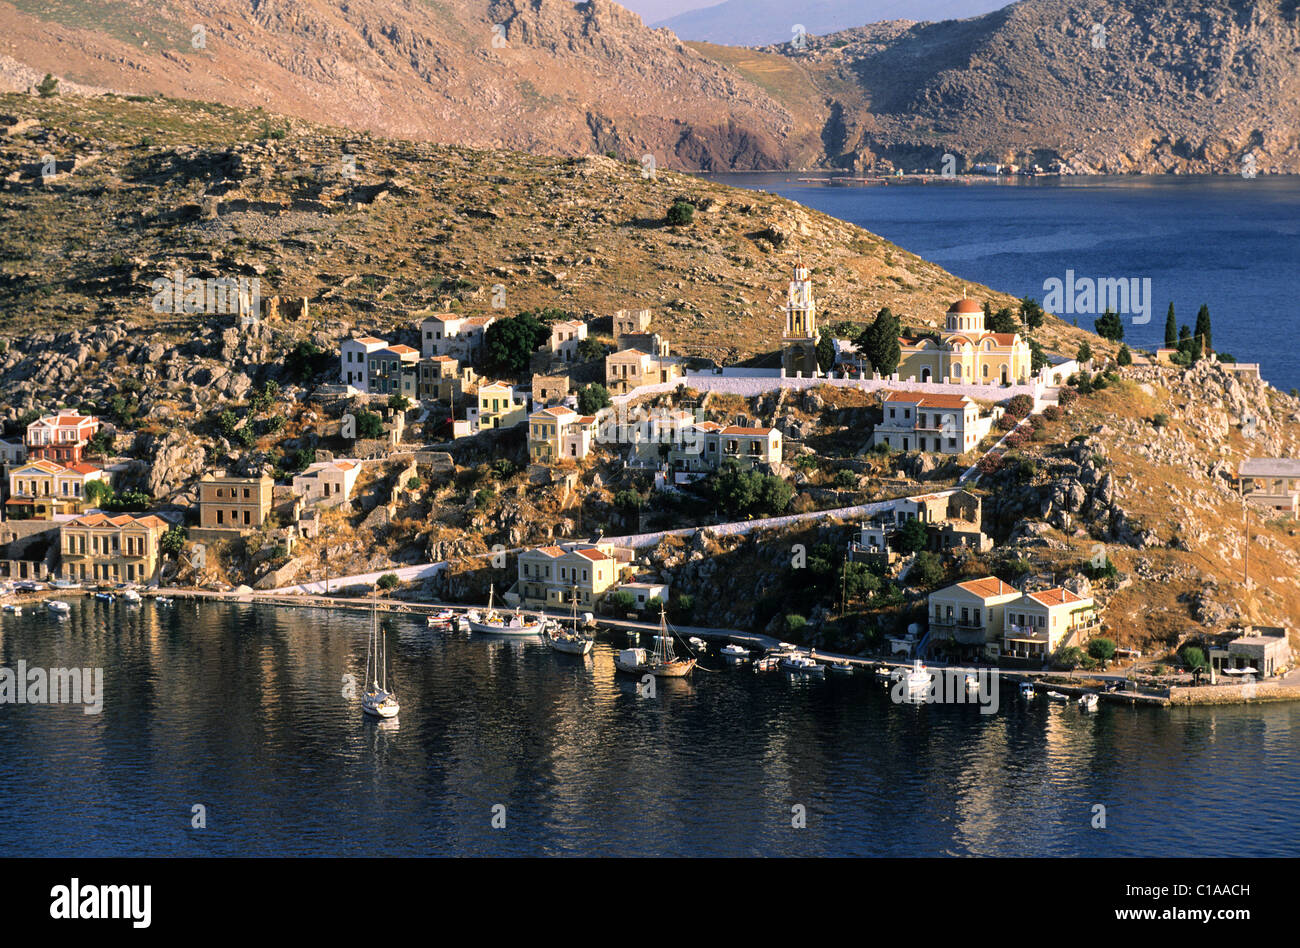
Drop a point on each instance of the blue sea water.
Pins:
(241, 710)
(1230, 242)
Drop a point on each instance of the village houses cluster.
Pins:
(59, 519)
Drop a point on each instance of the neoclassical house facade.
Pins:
(965, 353)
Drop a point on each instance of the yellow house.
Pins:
(498, 406)
(971, 613)
(628, 368)
(965, 353)
(549, 575)
(42, 489)
(239, 504)
(559, 433)
(100, 548)
(1037, 623)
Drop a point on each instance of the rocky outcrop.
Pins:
(175, 460)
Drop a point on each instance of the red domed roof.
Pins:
(966, 306)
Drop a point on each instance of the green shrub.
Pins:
(388, 581)
(681, 213)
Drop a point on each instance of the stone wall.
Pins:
(1233, 694)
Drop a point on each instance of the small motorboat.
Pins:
(165, 600)
(1088, 702)
(698, 643)
(632, 661)
(768, 663)
(462, 624)
(131, 597)
(13, 609)
(918, 679)
(842, 668)
(58, 607)
(972, 684)
(801, 664)
(104, 596)
(1027, 691)
(735, 653)
(1057, 696)
(443, 620)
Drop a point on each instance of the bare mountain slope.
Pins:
(535, 75)
(1121, 86)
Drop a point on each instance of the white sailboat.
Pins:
(493, 623)
(570, 641)
(378, 700)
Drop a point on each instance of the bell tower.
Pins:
(799, 341)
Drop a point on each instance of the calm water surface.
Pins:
(1227, 241)
(240, 709)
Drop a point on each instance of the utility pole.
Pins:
(1245, 515)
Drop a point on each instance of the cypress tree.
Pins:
(1171, 329)
(1203, 328)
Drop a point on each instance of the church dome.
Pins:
(966, 306)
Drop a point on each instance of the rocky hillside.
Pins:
(1118, 86)
(1121, 86)
(546, 76)
(140, 189)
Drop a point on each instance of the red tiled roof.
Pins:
(929, 400)
(737, 430)
(592, 553)
(1054, 597)
(986, 587)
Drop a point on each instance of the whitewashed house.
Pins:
(354, 357)
(327, 482)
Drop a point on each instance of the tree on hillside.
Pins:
(47, 87)
(912, 537)
(1171, 329)
(509, 344)
(1203, 328)
(739, 492)
(879, 342)
(1002, 321)
(1110, 326)
(1031, 314)
(1037, 356)
(1085, 353)
(1124, 357)
(825, 351)
(592, 398)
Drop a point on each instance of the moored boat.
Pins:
(842, 668)
(1027, 690)
(768, 663)
(664, 662)
(1088, 702)
(568, 641)
(918, 679)
(801, 664)
(13, 608)
(972, 683)
(698, 643)
(378, 701)
(735, 653)
(1057, 696)
(131, 597)
(493, 623)
(58, 607)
